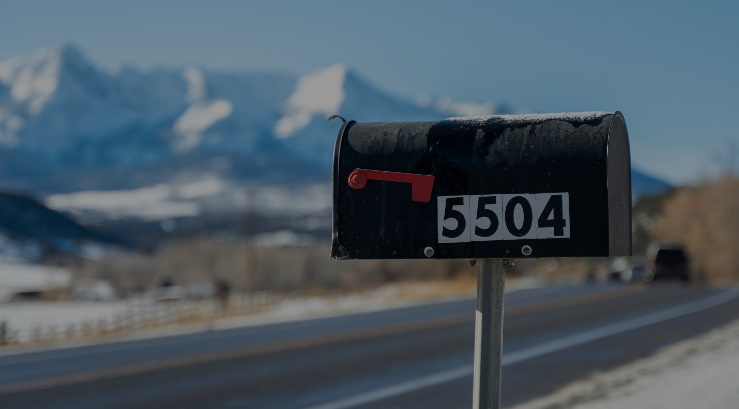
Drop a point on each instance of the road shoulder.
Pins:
(700, 372)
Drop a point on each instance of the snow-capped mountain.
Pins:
(335, 90)
(68, 125)
(61, 108)
(62, 117)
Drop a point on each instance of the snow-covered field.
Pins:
(165, 200)
(17, 276)
(699, 373)
(25, 318)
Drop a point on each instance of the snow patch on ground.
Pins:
(282, 238)
(314, 198)
(26, 316)
(165, 201)
(697, 373)
(202, 188)
(19, 277)
(150, 203)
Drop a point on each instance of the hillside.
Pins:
(30, 230)
(93, 139)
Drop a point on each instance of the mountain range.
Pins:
(69, 125)
(30, 230)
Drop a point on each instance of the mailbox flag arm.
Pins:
(421, 185)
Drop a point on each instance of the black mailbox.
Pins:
(507, 186)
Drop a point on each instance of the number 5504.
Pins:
(503, 217)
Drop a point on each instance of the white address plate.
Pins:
(503, 217)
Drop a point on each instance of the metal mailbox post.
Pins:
(492, 189)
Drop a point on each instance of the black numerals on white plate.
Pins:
(503, 217)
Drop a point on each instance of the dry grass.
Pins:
(249, 268)
(705, 219)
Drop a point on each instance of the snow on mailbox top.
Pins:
(529, 118)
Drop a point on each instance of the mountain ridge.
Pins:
(68, 125)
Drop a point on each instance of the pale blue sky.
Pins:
(670, 66)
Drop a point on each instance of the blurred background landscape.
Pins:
(168, 164)
(119, 179)
(130, 179)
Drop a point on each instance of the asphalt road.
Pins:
(413, 357)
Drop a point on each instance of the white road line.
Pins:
(534, 292)
(619, 327)
(523, 355)
(399, 389)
